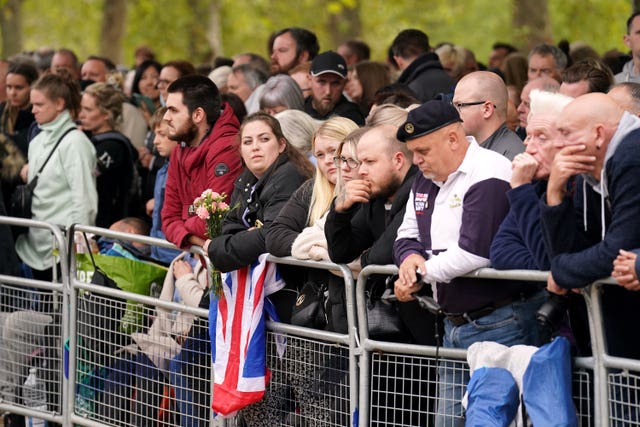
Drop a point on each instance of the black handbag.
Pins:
(383, 320)
(22, 196)
(309, 310)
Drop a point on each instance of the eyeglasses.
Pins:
(459, 105)
(352, 163)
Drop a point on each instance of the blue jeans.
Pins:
(509, 325)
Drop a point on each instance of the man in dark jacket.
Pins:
(205, 159)
(328, 78)
(601, 145)
(364, 218)
(421, 68)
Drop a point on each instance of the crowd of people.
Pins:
(430, 160)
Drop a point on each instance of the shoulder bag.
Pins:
(23, 194)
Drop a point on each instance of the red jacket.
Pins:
(214, 164)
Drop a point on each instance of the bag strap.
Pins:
(89, 250)
(51, 153)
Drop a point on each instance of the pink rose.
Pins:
(223, 206)
(202, 213)
(205, 193)
(215, 195)
(214, 206)
(197, 201)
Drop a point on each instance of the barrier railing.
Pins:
(380, 357)
(33, 326)
(365, 383)
(332, 394)
(119, 381)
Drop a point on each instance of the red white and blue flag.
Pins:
(238, 335)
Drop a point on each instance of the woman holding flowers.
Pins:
(274, 170)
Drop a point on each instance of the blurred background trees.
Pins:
(199, 30)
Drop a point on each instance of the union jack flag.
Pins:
(237, 330)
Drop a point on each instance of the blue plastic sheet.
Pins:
(547, 386)
(493, 398)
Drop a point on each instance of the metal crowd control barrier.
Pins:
(124, 377)
(388, 397)
(32, 327)
(617, 382)
(343, 379)
(324, 375)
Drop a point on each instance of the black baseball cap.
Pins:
(329, 62)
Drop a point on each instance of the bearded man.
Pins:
(206, 157)
(328, 78)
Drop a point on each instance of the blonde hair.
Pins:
(108, 100)
(452, 58)
(335, 128)
(387, 114)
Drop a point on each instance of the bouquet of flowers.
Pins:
(212, 209)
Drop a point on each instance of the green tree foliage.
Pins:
(178, 28)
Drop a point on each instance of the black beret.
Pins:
(427, 118)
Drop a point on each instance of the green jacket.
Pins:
(66, 189)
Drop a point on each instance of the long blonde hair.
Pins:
(335, 128)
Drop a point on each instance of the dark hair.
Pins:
(373, 76)
(359, 48)
(25, 70)
(145, 51)
(60, 86)
(106, 61)
(236, 104)
(559, 56)
(396, 94)
(198, 92)
(594, 71)
(69, 52)
(506, 46)
(256, 61)
(219, 61)
(514, 70)
(299, 160)
(410, 43)
(306, 41)
(630, 20)
(140, 69)
(139, 225)
(185, 68)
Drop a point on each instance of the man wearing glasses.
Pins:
(365, 216)
(481, 99)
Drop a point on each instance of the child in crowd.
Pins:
(164, 146)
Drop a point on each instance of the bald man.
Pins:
(627, 96)
(481, 99)
(601, 145)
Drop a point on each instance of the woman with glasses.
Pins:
(298, 231)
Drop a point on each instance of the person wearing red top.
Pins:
(206, 157)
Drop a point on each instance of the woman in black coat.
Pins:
(274, 170)
(298, 230)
